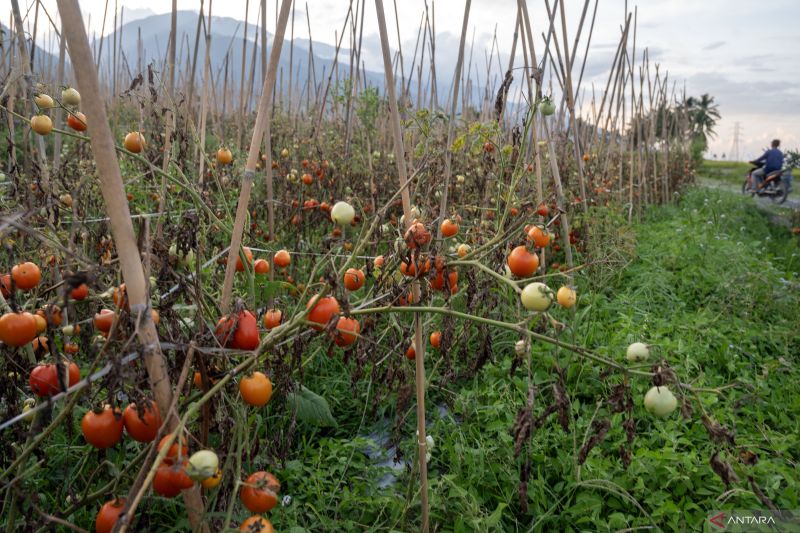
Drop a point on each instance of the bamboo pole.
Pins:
(57, 119)
(260, 131)
(170, 115)
(448, 153)
(551, 148)
(419, 344)
(240, 128)
(204, 97)
(113, 192)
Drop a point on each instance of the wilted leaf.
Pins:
(311, 408)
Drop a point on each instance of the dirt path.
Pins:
(778, 212)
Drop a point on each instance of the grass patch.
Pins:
(728, 171)
(713, 287)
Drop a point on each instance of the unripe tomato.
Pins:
(41, 124)
(70, 96)
(536, 297)
(566, 297)
(44, 101)
(637, 352)
(660, 401)
(202, 465)
(342, 213)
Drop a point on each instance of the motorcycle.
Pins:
(776, 185)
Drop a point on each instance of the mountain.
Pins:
(226, 40)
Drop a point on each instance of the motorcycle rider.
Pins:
(771, 160)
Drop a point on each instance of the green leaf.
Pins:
(270, 289)
(311, 408)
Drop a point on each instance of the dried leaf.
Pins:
(600, 429)
(723, 469)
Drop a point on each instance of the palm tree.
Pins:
(703, 115)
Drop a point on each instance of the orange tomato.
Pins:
(261, 266)
(260, 493)
(17, 329)
(522, 263)
(539, 237)
(321, 311)
(104, 319)
(257, 524)
(224, 156)
(248, 255)
(272, 318)
(449, 228)
(354, 279)
(436, 339)
(256, 389)
(347, 330)
(26, 275)
(134, 142)
(108, 515)
(282, 259)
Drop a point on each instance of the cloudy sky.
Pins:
(742, 52)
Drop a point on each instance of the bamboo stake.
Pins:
(260, 131)
(57, 119)
(170, 116)
(190, 92)
(240, 129)
(406, 199)
(204, 97)
(553, 157)
(448, 153)
(264, 36)
(114, 197)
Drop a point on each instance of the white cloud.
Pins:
(737, 50)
